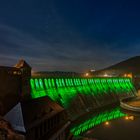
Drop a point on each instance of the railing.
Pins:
(126, 106)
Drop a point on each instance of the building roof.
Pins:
(27, 114)
(22, 63)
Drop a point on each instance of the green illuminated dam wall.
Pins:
(86, 91)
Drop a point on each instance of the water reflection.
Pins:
(110, 124)
(129, 118)
(103, 117)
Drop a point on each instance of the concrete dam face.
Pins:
(83, 93)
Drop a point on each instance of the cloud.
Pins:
(70, 55)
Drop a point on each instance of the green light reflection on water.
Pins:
(97, 120)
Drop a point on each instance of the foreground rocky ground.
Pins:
(7, 132)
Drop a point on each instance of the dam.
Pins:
(50, 107)
(81, 95)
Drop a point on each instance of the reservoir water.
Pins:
(108, 124)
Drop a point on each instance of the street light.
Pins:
(105, 75)
(87, 74)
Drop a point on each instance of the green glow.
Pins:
(64, 90)
(97, 120)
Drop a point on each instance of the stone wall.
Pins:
(10, 88)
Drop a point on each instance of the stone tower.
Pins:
(25, 77)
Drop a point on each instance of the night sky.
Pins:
(69, 35)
